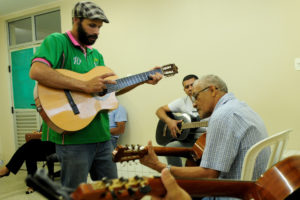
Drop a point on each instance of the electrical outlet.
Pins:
(297, 63)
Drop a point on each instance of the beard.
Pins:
(85, 38)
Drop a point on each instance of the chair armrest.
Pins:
(35, 135)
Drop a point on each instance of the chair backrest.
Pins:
(277, 142)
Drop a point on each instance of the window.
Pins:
(20, 31)
(33, 28)
(46, 24)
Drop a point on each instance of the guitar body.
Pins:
(56, 111)
(163, 134)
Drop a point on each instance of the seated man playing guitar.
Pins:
(182, 105)
(232, 129)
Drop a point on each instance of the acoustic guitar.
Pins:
(282, 181)
(68, 111)
(134, 152)
(187, 126)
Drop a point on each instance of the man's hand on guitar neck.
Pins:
(155, 78)
(174, 191)
(97, 84)
(151, 160)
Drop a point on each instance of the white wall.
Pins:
(6, 124)
(250, 44)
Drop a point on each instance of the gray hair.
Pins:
(214, 80)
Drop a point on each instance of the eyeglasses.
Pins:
(197, 93)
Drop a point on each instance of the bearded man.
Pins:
(89, 149)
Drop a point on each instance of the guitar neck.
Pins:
(120, 154)
(174, 151)
(141, 186)
(207, 187)
(194, 125)
(131, 80)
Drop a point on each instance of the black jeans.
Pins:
(32, 151)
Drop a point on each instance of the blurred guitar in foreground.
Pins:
(282, 181)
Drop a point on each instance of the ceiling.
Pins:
(11, 6)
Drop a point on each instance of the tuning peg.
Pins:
(122, 179)
(138, 146)
(113, 194)
(104, 179)
(129, 147)
(132, 147)
(145, 189)
(142, 147)
(131, 191)
(137, 178)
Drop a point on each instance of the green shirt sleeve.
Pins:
(51, 49)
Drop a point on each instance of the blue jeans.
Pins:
(176, 161)
(114, 141)
(79, 160)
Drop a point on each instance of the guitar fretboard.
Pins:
(194, 125)
(131, 80)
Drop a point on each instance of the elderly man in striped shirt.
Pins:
(233, 128)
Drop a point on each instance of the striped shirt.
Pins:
(233, 128)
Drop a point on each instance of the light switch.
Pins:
(297, 63)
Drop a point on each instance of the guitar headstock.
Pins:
(128, 152)
(122, 188)
(169, 70)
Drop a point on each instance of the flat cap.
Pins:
(89, 10)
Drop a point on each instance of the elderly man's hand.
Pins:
(151, 159)
(174, 191)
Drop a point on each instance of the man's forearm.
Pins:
(162, 113)
(194, 172)
(116, 131)
(51, 78)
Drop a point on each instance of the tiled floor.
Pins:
(13, 187)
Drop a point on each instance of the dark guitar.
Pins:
(163, 135)
(134, 152)
(68, 111)
(282, 181)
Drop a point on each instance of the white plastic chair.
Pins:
(277, 142)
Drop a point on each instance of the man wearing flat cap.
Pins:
(89, 149)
